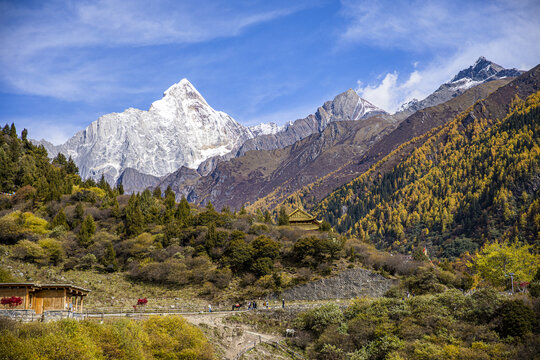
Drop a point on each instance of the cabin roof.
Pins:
(300, 214)
(35, 286)
(18, 284)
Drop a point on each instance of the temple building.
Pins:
(46, 297)
(302, 219)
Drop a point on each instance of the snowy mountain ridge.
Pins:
(180, 129)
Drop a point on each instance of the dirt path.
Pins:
(237, 339)
(234, 340)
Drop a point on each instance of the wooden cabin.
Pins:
(302, 219)
(45, 297)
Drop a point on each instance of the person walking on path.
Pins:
(283, 303)
(209, 308)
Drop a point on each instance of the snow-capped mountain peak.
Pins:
(484, 70)
(183, 90)
(180, 129)
(481, 71)
(180, 96)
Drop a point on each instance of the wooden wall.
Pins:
(20, 292)
(50, 299)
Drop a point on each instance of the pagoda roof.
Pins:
(300, 215)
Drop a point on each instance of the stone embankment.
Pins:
(346, 285)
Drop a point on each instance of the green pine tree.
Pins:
(109, 259)
(134, 217)
(283, 218)
(87, 231)
(79, 211)
(60, 220)
(115, 209)
(267, 217)
(183, 212)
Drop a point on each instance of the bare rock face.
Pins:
(133, 180)
(346, 285)
(182, 131)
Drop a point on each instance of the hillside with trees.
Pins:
(49, 217)
(473, 180)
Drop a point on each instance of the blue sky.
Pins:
(64, 63)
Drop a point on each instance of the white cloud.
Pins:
(53, 48)
(504, 32)
(390, 93)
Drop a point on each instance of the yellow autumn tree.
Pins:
(496, 261)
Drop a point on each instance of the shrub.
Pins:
(320, 318)
(28, 222)
(10, 232)
(88, 194)
(24, 193)
(87, 261)
(424, 281)
(29, 251)
(238, 255)
(221, 278)
(264, 247)
(482, 305)
(262, 266)
(5, 276)
(516, 319)
(534, 286)
(325, 226)
(53, 249)
(159, 338)
(258, 229)
(139, 247)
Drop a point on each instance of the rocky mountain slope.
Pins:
(347, 106)
(342, 128)
(327, 159)
(480, 72)
(181, 131)
(348, 284)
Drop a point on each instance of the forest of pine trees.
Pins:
(24, 164)
(472, 181)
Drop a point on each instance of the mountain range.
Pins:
(204, 154)
(182, 131)
(472, 178)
